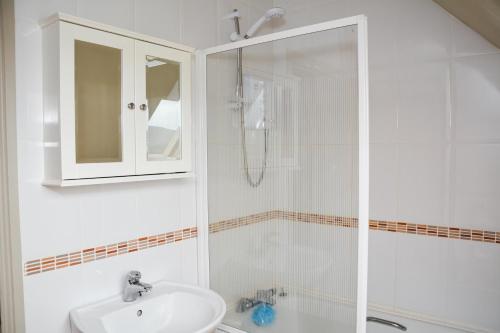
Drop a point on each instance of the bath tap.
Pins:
(262, 296)
(246, 304)
(134, 287)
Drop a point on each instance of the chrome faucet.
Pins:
(262, 296)
(134, 287)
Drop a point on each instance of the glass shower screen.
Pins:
(284, 252)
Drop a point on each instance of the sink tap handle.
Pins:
(134, 277)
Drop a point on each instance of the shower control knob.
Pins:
(131, 106)
(143, 107)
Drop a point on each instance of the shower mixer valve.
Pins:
(266, 296)
(263, 296)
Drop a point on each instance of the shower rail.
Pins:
(387, 323)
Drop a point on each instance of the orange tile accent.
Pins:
(348, 222)
(83, 256)
(100, 252)
(75, 258)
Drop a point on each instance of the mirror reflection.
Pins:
(164, 108)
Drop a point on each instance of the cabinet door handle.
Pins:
(143, 107)
(131, 106)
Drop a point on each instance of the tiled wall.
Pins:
(308, 251)
(435, 154)
(435, 148)
(62, 223)
(434, 88)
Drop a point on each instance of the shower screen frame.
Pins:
(360, 21)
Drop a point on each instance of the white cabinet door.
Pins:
(163, 120)
(96, 110)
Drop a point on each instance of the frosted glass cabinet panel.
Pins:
(97, 86)
(114, 106)
(98, 103)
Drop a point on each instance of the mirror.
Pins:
(164, 109)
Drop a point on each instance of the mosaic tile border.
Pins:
(279, 214)
(242, 221)
(437, 231)
(390, 226)
(100, 252)
(106, 251)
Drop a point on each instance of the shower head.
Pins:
(275, 12)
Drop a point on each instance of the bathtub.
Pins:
(288, 320)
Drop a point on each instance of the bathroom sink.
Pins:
(169, 307)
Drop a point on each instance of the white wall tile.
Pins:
(262, 5)
(382, 33)
(423, 183)
(472, 288)
(382, 268)
(383, 181)
(384, 103)
(423, 31)
(423, 91)
(229, 193)
(301, 13)
(190, 261)
(35, 10)
(417, 289)
(251, 260)
(49, 221)
(159, 18)
(477, 186)
(326, 181)
(317, 255)
(156, 201)
(476, 98)
(199, 23)
(187, 205)
(119, 13)
(468, 42)
(113, 219)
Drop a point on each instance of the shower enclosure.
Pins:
(285, 197)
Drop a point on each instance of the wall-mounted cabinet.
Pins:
(117, 105)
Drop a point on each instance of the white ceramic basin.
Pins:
(169, 307)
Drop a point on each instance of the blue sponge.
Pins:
(263, 315)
